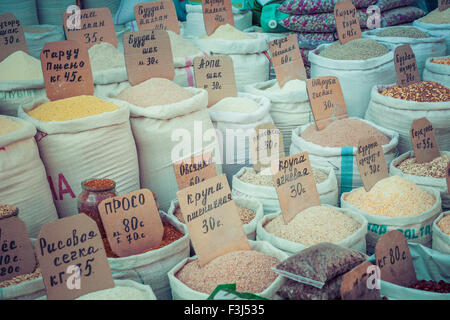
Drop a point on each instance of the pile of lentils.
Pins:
(424, 91)
(358, 49)
(406, 32)
(445, 61)
(435, 168)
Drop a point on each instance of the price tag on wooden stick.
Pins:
(148, 54)
(371, 163)
(443, 5)
(215, 75)
(212, 219)
(194, 170)
(424, 141)
(287, 60)
(67, 70)
(394, 259)
(216, 13)
(132, 222)
(347, 21)
(17, 253)
(361, 283)
(295, 185)
(327, 100)
(12, 38)
(95, 26)
(157, 15)
(266, 146)
(72, 258)
(405, 66)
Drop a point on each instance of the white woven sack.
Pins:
(342, 160)
(237, 155)
(37, 40)
(355, 241)
(155, 132)
(441, 240)
(440, 184)
(437, 30)
(357, 77)
(182, 292)
(151, 267)
(416, 227)
(27, 290)
(268, 196)
(398, 115)
(288, 109)
(14, 94)
(437, 72)
(195, 26)
(24, 10)
(50, 11)
(23, 180)
(99, 146)
(422, 47)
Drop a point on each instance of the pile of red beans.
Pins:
(432, 286)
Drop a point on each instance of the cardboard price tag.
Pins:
(327, 100)
(132, 222)
(215, 75)
(424, 141)
(406, 66)
(286, 59)
(347, 21)
(394, 259)
(361, 283)
(266, 146)
(12, 38)
(72, 258)
(67, 70)
(193, 170)
(295, 185)
(95, 26)
(157, 15)
(212, 219)
(148, 54)
(216, 13)
(371, 163)
(17, 253)
(443, 5)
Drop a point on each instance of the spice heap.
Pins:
(22, 278)
(407, 32)
(436, 168)
(7, 210)
(71, 108)
(245, 214)
(235, 104)
(358, 49)
(393, 197)
(104, 56)
(180, 47)
(441, 61)
(343, 133)
(432, 286)
(20, 66)
(116, 293)
(250, 270)
(437, 17)
(291, 85)
(228, 32)
(250, 176)
(7, 125)
(444, 224)
(171, 234)
(424, 91)
(314, 225)
(154, 92)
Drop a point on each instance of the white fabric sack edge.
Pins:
(27, 131)
(443, 69)
(22, 84)
(260, 88)
(441, 241)
(112, 75)
(182, 292)
(146, 290)
(256, 45)
(435, 29)
(355, 241)
(404, 40)
(187, 61)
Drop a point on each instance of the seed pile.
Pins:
(392, 197)
(432, 286)
(7, 210)
(236, 104)
(116, 293)
(424, 91)
(343, 133)
(250, 176)
(22, 278)
(180, 47)
(291, 85)
(250, 270)
(314, 225)
(407, 32)
(228, 32)
(358, 49)
(441, 61)
(20, 66)
(444, 224)
(104, 56)
(437, 17)
(436, 168)
(7, 125)
(245, 214)
(154, 92)
(71, 108)
(99, 184)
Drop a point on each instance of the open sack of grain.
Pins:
(436, 23)
(438, 70)
(441, 233)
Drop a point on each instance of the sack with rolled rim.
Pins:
(437, 30)
(441, 240)
(437, 72)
